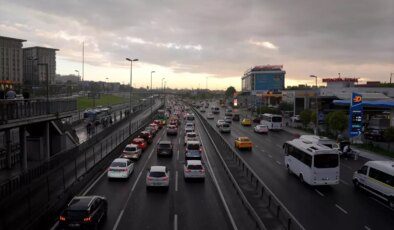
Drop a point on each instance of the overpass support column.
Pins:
(8, 148)
(47, 142)
(23, 152)
(392, 117)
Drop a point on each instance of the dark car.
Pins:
(84, 212)
(256, 120)
(147, 136)
(236, 117)
(164, 148)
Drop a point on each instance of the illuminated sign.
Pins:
(356, 115)
(235, 102)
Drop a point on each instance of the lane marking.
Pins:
(269, 155)
(118, 220)
(177, 155)
(367, 228)
(133, 187)
(176, 181)
(94, 183)
(278, 163)
(175, 222)
(320, 193)
(217, 185)
(344, 182)
(340, 208)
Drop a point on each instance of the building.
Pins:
(36, 62)
(11, 64)
(71, 78)
(262, 85)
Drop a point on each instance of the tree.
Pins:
(389, 135)
(305, 117)
(337, 121)
(230, 91)
(284, 106)
(313, 117)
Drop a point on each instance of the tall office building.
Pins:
(11, 68)
(36, 62)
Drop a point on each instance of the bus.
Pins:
(273, 121)
(312, 163)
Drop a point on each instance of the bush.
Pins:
(305, 117)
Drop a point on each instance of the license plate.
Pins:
(74, 225)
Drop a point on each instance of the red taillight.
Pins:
(188, 170)
(149, 178)
(87, 219)
(62, 218)
(202, 170)
(165, 178)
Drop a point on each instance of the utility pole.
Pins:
(151, 94)
(131, 79)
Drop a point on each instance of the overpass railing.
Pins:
(20, 109)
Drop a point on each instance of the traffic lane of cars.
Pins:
(117, 191)
(199, 200)
(341, 195)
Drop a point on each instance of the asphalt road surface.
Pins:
(322, 207)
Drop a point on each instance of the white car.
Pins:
(120, 168)
(261, 129)
(131, 151)
(219, 122)
(191, 136)
(189, 126)
(193, 169)
(158, 176)
(210, 116)
(228, 119)
(377, 177)
(225, 128)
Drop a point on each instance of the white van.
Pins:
(320, 140)
(377, 177)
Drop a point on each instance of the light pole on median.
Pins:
(131, 78)
(316, 107)
(151, 99)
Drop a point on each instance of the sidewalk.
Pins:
(363, 153)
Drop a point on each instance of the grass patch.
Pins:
(105, 100)
(375, 149)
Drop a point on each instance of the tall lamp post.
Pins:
(131, 78)
(316, 106)
(151, 99)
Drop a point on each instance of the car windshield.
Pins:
(276, 119)
(118, 164)
(191, 135)
(326, 160)
(225, 125)
(193, 147)
(157, 174)
(165, 146)
(130, 149)
(195, 167)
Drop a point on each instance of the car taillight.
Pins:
(124, 170)
(149, 178)
(188, 170)
(202, 170)
(87, 219)
(62, 218)
(165, 178)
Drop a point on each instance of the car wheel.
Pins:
(356, 184)
(301, 178)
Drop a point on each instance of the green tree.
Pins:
(286, 106)
(230, 91)
(389, 135)
(313, 117)
(337, 121)
(305, 117)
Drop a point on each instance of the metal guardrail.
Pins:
(26, 206)
(274, 205)
(19, 109)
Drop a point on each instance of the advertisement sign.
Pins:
(235, 103)
(269, 81)
(355, 115)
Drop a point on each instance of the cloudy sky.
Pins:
(192, 42)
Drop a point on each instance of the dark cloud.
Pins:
(214, 36)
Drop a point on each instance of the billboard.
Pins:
(269, 81)
(355, 115)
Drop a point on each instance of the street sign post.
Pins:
(355, 115)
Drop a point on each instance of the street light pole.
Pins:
(316, 107)
(131, 79)
(151, 99)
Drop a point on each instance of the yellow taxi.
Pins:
(243, 143)
(246, 122)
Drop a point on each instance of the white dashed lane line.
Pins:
(340, 208)
(320, 193)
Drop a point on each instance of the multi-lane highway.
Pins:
(323, 207)
(211, 204)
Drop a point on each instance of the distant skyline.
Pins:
(188, 41)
